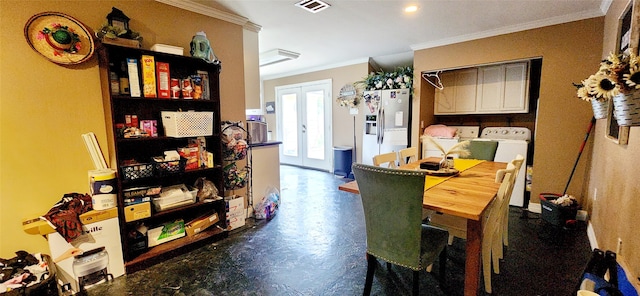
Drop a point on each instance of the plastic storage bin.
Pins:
(342, 160)
(187, 124)
(555, 214)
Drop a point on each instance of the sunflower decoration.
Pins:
(617, 74)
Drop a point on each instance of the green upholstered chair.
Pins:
(481, 149)
(392, 203)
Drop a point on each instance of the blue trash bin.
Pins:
(342, 160)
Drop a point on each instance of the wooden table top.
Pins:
(466, 195)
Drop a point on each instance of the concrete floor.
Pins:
(315, 245)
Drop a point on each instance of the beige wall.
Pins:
(562, 119)
(342, 121)
(45, 107)
(251, 70)
(614, 175)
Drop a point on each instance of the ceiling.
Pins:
(352, 31)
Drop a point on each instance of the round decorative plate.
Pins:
(59, 37)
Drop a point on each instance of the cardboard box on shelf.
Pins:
(191, 154)
(199, 224)
(137, 211)
(165, 233)
(148, 76)
(98, 215)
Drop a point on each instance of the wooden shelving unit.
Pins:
(116, 106)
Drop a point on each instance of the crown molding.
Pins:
(213, 12)
(511, 29)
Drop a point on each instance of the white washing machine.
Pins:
(511, 142)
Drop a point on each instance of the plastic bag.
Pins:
(267, 207)
(206, 189)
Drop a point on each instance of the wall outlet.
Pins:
(619, 247)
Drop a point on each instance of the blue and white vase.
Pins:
(600, 108)
(626, 108)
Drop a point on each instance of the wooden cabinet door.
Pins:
(490, 88)
(445, 98)
(503, 88)
(466, 88)
(516, 88)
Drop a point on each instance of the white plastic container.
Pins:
(187, 124)
(104, 188)
(168, 49)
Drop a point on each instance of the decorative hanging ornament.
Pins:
(348, 96)
(59, 37)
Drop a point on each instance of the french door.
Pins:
(304, 124)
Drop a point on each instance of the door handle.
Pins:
(382, 127)
(378, 130)
(304, 128)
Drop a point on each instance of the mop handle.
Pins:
(586, 137)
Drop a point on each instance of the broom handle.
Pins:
(586, 137)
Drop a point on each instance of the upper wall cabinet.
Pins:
(459, 92)
(491, 89)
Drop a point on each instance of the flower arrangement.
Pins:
(460, 148)
(617, 74)
(402, 77)
(111, 32)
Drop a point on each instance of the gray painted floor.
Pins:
(315, 245)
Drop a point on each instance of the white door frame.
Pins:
(300, 89)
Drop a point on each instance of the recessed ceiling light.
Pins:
(411, 8)
(276, 56)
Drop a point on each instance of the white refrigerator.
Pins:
(386, 122)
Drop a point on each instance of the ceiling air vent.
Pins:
(312, 6)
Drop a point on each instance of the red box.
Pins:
(191, 154)
(164, 88)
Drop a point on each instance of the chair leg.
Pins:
(371, 267)
(486, 265)
(442, 270)
(416, 282)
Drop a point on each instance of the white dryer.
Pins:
(511, 142)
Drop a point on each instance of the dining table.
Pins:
(466, 194)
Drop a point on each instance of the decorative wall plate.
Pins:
(59, 37)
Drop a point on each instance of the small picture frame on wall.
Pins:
(270, 107)
(628, 39)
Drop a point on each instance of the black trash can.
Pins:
(555, 214)
(342, 160)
